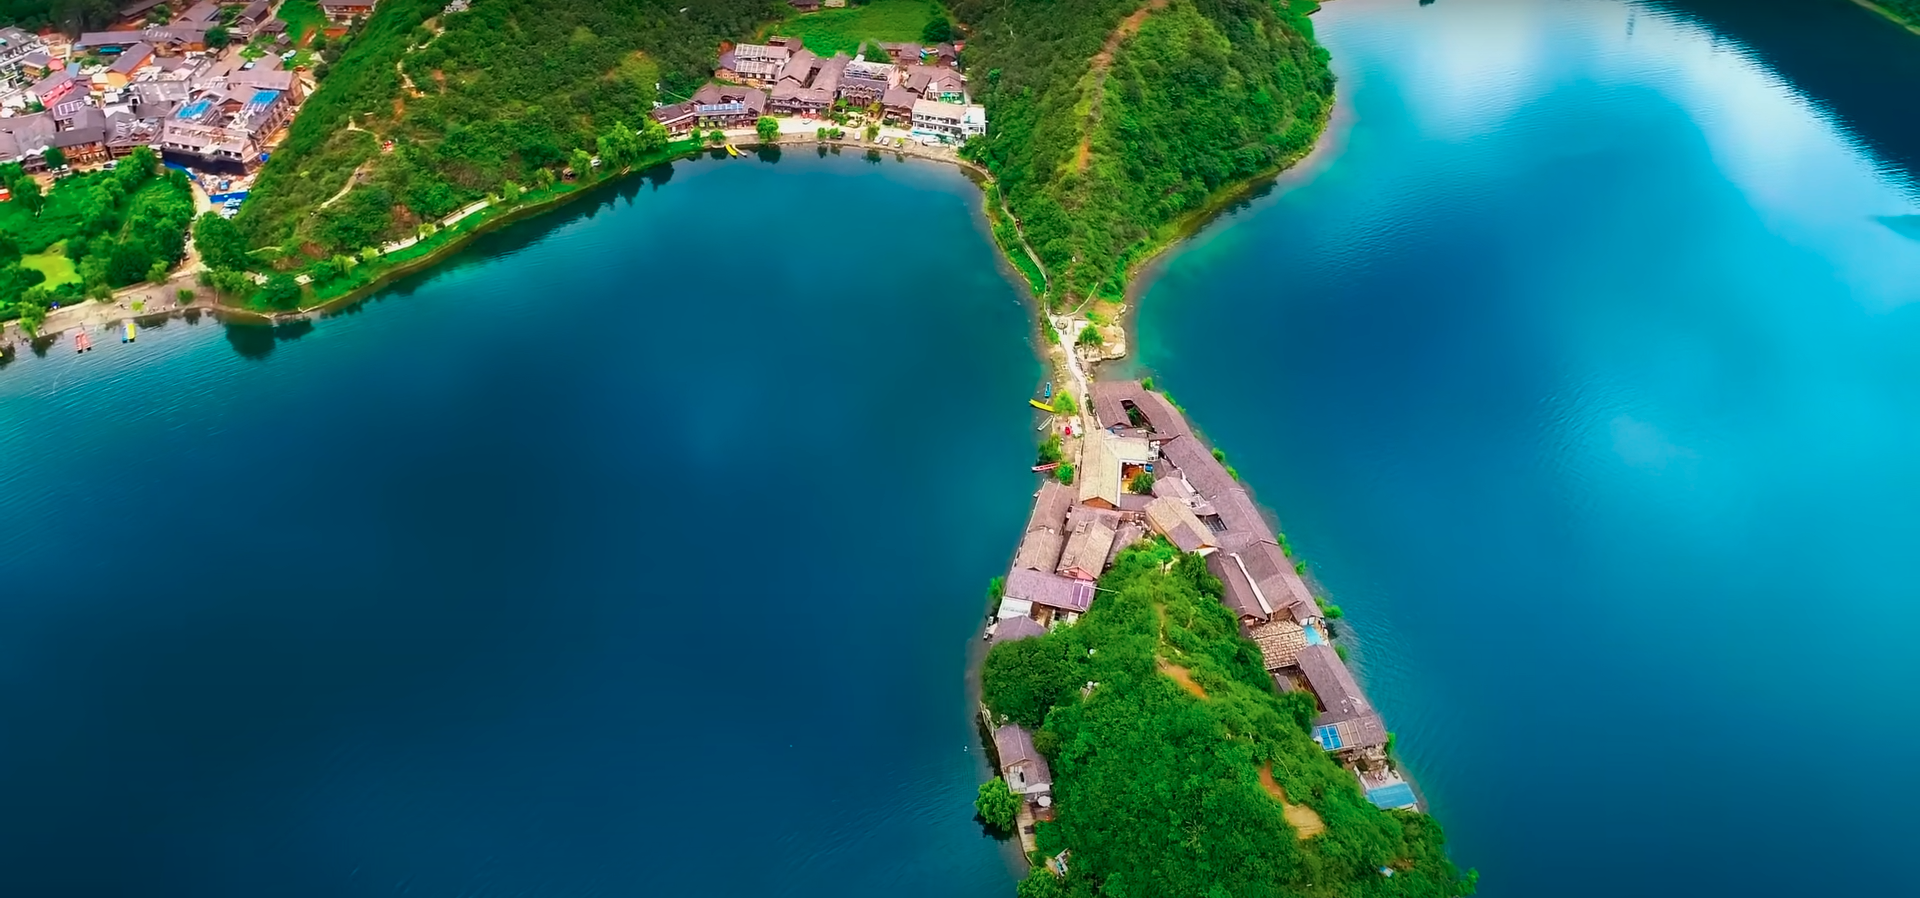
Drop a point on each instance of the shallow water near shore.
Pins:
(1585, 378)
(615, 556)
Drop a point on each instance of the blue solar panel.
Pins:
(1398, 795)
(1328, 737)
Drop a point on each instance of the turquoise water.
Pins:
(1585, 375)
(615, 557)
(597, 561)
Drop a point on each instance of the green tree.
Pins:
(218, 37)
(997, 804)
(938, 31)
(619, 147)
(1089, 336)
(1049, 451)
(56, 158)
(184, 295)
(768, 128)
(873, 133)
(1141, 484)
(281, 292)
(219, 242)
(653, 138)
(1063, 404)
(9, 249)
(26, 192)
(717, 137)
(581, 163)
(1064, 473)
(128, 262)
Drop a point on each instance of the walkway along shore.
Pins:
(1075, 532)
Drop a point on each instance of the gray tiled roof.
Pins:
(131, 59)
(1109, 398)
(1016, 628)
(1040, 550)
(1333, 684)
(1025, 770)
(1049, 589)
(1050, 506)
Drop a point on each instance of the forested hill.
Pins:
(1113, 119)
(1178, 771)
(473, 101)
(70, 16)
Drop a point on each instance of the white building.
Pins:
(953, 122)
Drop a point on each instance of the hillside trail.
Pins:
(1101, 62)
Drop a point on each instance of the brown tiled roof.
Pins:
(1040, 550)
(898, 98)
(1051, 590)
(1280, 642)
(1086, 553)
(1099, 474)
(1174, 520)
(799, 67)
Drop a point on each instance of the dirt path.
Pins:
(1180, 675)
(352, 179)
(1305, 821)
(1101, 62)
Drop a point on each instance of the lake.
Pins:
(1584, 374)
(616, 556)
(1580, 368)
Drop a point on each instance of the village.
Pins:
(1076, 531)
(895, 86)
(212, 90)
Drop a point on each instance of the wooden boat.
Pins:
(1045, 424)
(82, 342)
(129, 334)
(1040, 405)
(731, 151)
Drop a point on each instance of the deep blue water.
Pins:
(617, 557)
(1584, 371)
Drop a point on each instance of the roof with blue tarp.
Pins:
(1398, 795)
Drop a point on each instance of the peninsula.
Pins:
(1170, 709)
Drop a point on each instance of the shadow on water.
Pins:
(1848, 60)
(769, 154)
(255, 342)
(520, 234)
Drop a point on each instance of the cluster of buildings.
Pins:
(1075, 532)
(915, 87)
(158, 86)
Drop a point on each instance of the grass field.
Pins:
(54, 264)
(831, 31)
(303, 17)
